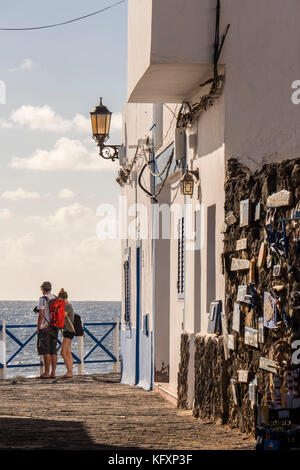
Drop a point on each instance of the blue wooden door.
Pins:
(138, 313)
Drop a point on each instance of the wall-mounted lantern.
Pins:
(187, 182)
(101, 118)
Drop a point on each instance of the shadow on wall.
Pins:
(29, 434)
(210, 135)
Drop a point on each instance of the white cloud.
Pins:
(67, 154)
(73, 217)
(27, 64)
(40, 118)
(19, 193)
(5, 214)
(81, 124)
(87, 268)
(44, 118)
(66, 193)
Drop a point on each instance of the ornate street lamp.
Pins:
(187, 182)
(101, 118)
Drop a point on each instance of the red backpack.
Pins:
(57, 313)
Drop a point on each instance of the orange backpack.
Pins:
(57, 313)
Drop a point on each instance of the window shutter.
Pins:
(181, 259)
(127, 289)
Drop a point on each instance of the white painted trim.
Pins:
(3, 350)
(80, 346)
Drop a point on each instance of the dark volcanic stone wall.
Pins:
(183, 371)
(211, 379)
(242, 184)
(213, 393)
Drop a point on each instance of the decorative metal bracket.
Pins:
(194, 173)
(108, 152)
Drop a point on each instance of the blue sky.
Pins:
(52, 180)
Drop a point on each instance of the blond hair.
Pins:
(62, 294)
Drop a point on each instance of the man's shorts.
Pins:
(47, 342)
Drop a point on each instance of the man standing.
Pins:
(47, 337)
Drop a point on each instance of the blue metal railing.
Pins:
(110, 356)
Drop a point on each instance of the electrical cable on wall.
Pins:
(186, 115)
(64, 22)
(185, 119)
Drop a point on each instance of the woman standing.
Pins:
(68, 334)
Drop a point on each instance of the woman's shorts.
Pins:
(68, 334)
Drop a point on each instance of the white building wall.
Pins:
(261, 56)
(176, 305)
(262, 60)
(137, 120)
(205, 150)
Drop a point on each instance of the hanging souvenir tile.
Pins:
(241, 244)
(244, 212)
(231, 342)
(251, 337)
(230, 218)
(262, 255)
(270, 311)
(268, 365)
(243, 375)
(236, 319)
(257, 211)
(252, 393)
(234, 391)
(277, 270)
(261, 336)
(239, 264)
(214, 319)
(283, 198)
(241, 293)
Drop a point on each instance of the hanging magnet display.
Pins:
(214, 319)
(244, 213)
(241, 244)
(261, 336)
(270, 311)
(283, 198)
(251, 337)
(231, 342)
(241, 293)
(236, 318)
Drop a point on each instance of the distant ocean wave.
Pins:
(20, 313)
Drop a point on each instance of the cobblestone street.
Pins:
(97, 412)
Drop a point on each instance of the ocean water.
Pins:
(20, 313)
